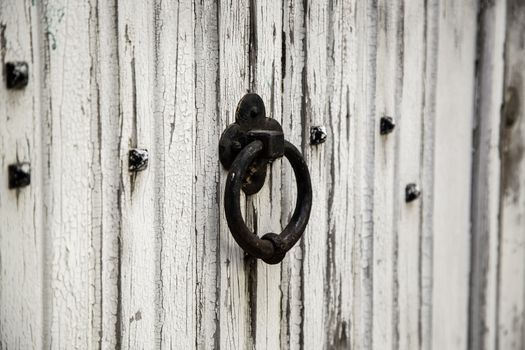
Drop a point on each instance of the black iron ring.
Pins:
(271, 248)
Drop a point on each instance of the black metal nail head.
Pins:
(386, 125)
(317, 135)
(19, 175)
(16, 75)
(412, 192)
(138, 159)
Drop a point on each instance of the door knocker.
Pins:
(246, 148)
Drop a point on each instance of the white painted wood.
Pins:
(234, 303)
(427, 173)
(314, 113)
(339, 120)
(453, 124)
(21, 210)
(141, 199)
(72, 220)
(292, 85)
(410, 116)
(265, 63)
(364, 112)
(175, 102)
(511, 289)
(108, 175)
(207, 192)
(387, 88)
(486, 177)
(113, 259)
(327, 299)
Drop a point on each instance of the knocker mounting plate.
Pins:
(252, 124)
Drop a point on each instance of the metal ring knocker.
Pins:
(246, 148)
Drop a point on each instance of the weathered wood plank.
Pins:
(410, 118)
(511, 289)
(235, 328)
(264, 209)
(207, 192)
(21, 210)
(486, 177)
(175, 106)
(72, 221)
(293, 31)
(387, 88)
(340, 144)
(453, 124)
(431, 16)
(364, 111)
(141, 235)
(109, 172)
(314, 113)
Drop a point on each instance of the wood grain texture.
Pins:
(387, 87)
(175, 104)
(453, 124)
(511, 288)
(108, 176)
(410, 116)
(141, 235)
(235, 269)
(364, 112)
(486, 177)
(21, 210)
(265, 79)
(293, 61)
(72, 220)
(427, 172)
(94, 256)
(314, 113)
(207, 191)
(340, 125)
(158, 104)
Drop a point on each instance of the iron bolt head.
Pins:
(412, 192)
(138, 159)
(317, 135)
(386, 125)
(17, 75)
(19, 175)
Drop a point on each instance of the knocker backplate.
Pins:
(250, 116)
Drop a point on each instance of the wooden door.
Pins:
(93, 255)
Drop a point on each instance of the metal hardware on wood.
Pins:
(317, 135)
(19, 175)
(246, 148)
(16, 75)
(138, 159)
(412, 192)
(386, 125)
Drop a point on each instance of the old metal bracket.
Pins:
(252, 124)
